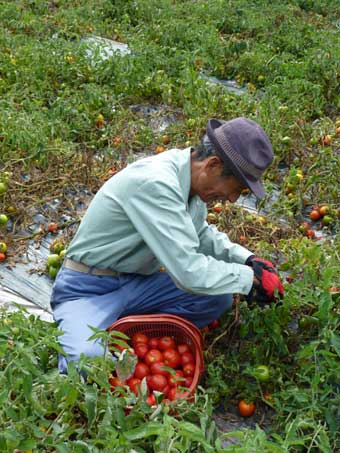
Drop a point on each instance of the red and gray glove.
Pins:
(263, 263)
(266, 275)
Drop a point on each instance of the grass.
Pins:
(286, 57)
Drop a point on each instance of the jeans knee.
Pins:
(223, 303)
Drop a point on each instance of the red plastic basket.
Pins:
(182, 330)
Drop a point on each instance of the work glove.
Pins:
(264, 263)
(263, 292)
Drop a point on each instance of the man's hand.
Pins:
(266, 281)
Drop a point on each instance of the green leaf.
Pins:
(27, 386)
(147, 430)
(27, 444)
(91, 404)
(72, 396)
(335, 342)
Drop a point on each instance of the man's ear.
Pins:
(214, 163)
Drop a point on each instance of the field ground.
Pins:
(72, 113)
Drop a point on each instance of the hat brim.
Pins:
(255, 185)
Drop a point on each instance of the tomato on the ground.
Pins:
(52, 227)
(315, 215)
(215, 324)
(246, 409)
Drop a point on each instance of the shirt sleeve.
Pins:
(218, 244)
(158, 212)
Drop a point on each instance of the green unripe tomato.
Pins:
(62, 254)
(286, 140)
(3, 219)
(262, 373)
(3, 188)
(53, 260)
(327, 220)
(52, 271)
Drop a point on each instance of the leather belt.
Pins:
(80, 267)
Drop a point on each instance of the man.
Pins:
(152, 215)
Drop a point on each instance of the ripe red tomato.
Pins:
(173, 393)
(310, 234)
(152, 356)
(172, 358)
(52, 227)
(188, 381)
(189, 369)
(176, 379)
(181, 348)
(214, 325)
(166, 343)
(166, 390)
(157, 382)
(315, 215)
(151, 399)
(2, 256)
(324, 210)
(187, 357)
(177, 394)
(158, 368)
(246, 409)
(141, 370)
(153, 343)
(141, 350)
(134, 384)
(116, 382)
(139, 338)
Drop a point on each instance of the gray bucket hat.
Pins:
(245, 147)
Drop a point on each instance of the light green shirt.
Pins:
(142, 219)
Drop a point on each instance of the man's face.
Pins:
(209, 185)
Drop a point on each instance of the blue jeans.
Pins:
(81, 300)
